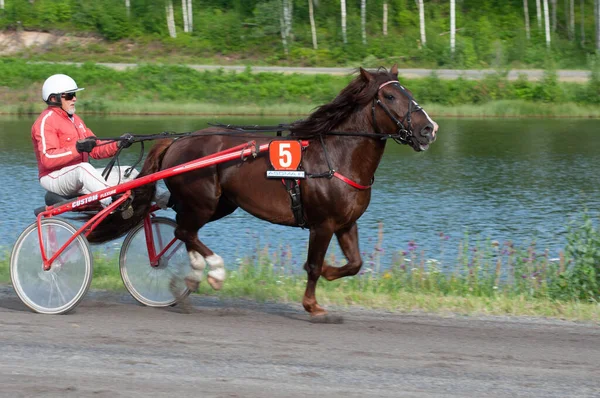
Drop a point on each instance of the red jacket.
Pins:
(54, 136)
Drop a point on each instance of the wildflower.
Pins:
(387, 275)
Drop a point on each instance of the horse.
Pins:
(346, 137)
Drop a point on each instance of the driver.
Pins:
(63, 145)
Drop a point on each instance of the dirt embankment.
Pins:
(12, 42)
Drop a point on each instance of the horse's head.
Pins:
(395, 112)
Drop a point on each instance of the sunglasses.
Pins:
(69, 96)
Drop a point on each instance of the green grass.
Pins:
(515, 109)
(505, 108)
(179, 90)
(486, 279)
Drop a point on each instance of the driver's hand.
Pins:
(86, 144)
(126, 140)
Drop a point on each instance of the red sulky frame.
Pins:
(241, 151)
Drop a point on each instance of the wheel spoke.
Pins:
(151, 285)
(61, 288)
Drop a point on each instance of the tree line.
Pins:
(468, 33)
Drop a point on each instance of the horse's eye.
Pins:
(389, 97)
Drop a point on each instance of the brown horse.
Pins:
(347, 139)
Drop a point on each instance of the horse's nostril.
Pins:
(428, 131)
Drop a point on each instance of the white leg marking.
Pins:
(217, 267)
(198, 264)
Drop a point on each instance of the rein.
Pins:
(402, 136)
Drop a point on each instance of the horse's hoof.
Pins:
(192, 284)
(214, 283)
(326, 318)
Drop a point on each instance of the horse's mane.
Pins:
(355, 96)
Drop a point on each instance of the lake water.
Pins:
(517, 180)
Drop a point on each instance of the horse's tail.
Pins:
(114, 225)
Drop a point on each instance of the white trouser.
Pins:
(83, 178)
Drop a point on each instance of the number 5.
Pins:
(285, 156)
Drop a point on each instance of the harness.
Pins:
(403, 135)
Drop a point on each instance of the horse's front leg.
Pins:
(348, 240)
(317, 248)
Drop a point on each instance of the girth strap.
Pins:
(293, 188)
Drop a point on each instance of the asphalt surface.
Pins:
(471, 74)
(110, 346)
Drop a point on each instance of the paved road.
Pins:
(112, 347)
(532, 74)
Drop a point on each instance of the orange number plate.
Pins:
(285, 155)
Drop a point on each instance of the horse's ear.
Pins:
(394, 70)
(366, 75)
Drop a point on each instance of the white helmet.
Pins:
(58, 84)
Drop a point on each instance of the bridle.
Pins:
(402, 135)
(405, 130)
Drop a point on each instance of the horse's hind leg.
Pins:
(348, 240)
(200, 255)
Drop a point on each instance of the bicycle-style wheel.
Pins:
(63, 286)
(159, 286)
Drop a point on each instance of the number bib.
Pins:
(285, 157)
